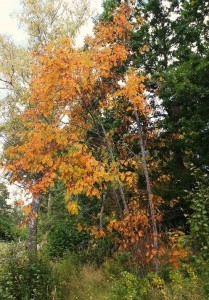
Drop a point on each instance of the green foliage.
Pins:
(99, 250)
(199, 235)
(108, 6)
(79, 281)
(177, 62)
(4, 194)
(202, 267)
(9, 218)
(58, 231)
(184, 284)
(50, 20)
(64, 237)
(125, 287)
(9, 230)
(199, 222)
(180, 284)
(23, 276)
(6, 229)
(185, 96)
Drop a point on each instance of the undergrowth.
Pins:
(24, 277)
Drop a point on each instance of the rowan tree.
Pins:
(43, 21)
(67, 136)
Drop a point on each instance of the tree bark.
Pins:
(149, 193)
(102, 210)
(32, 239)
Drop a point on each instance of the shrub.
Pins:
(199, 222)
(25, 276)
(64, 237)
(181, 284)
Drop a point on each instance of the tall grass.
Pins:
(69, 278)
(80, 282)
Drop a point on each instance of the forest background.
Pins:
(110, 143)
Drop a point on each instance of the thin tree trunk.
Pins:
(123, 197)
(149, 193)
(102, 210)
(32, 240)
(120, 210)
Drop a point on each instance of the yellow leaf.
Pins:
(129, 108)
(72, 207)
(151, 197)
(26, 209)
(79, 227)
(34, 216)
(122, 176)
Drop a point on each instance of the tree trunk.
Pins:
(102, 210)
(32, 240)
(149, 193)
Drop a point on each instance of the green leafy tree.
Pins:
(58, 231)
(10, 217)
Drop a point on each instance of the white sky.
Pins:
(9, 25)
(96, 7)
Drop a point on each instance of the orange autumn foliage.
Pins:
(177, 252)
(71, 92)
(64, 83)
(135, 234)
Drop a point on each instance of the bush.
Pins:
(99, 250)
(181, 284)
(25, 276)
(199, 222)
(64, 237)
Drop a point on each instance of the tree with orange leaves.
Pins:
(74, 95)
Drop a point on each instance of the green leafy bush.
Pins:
(64, 237)
(199, 222)
(25, 276)
(181, 284)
